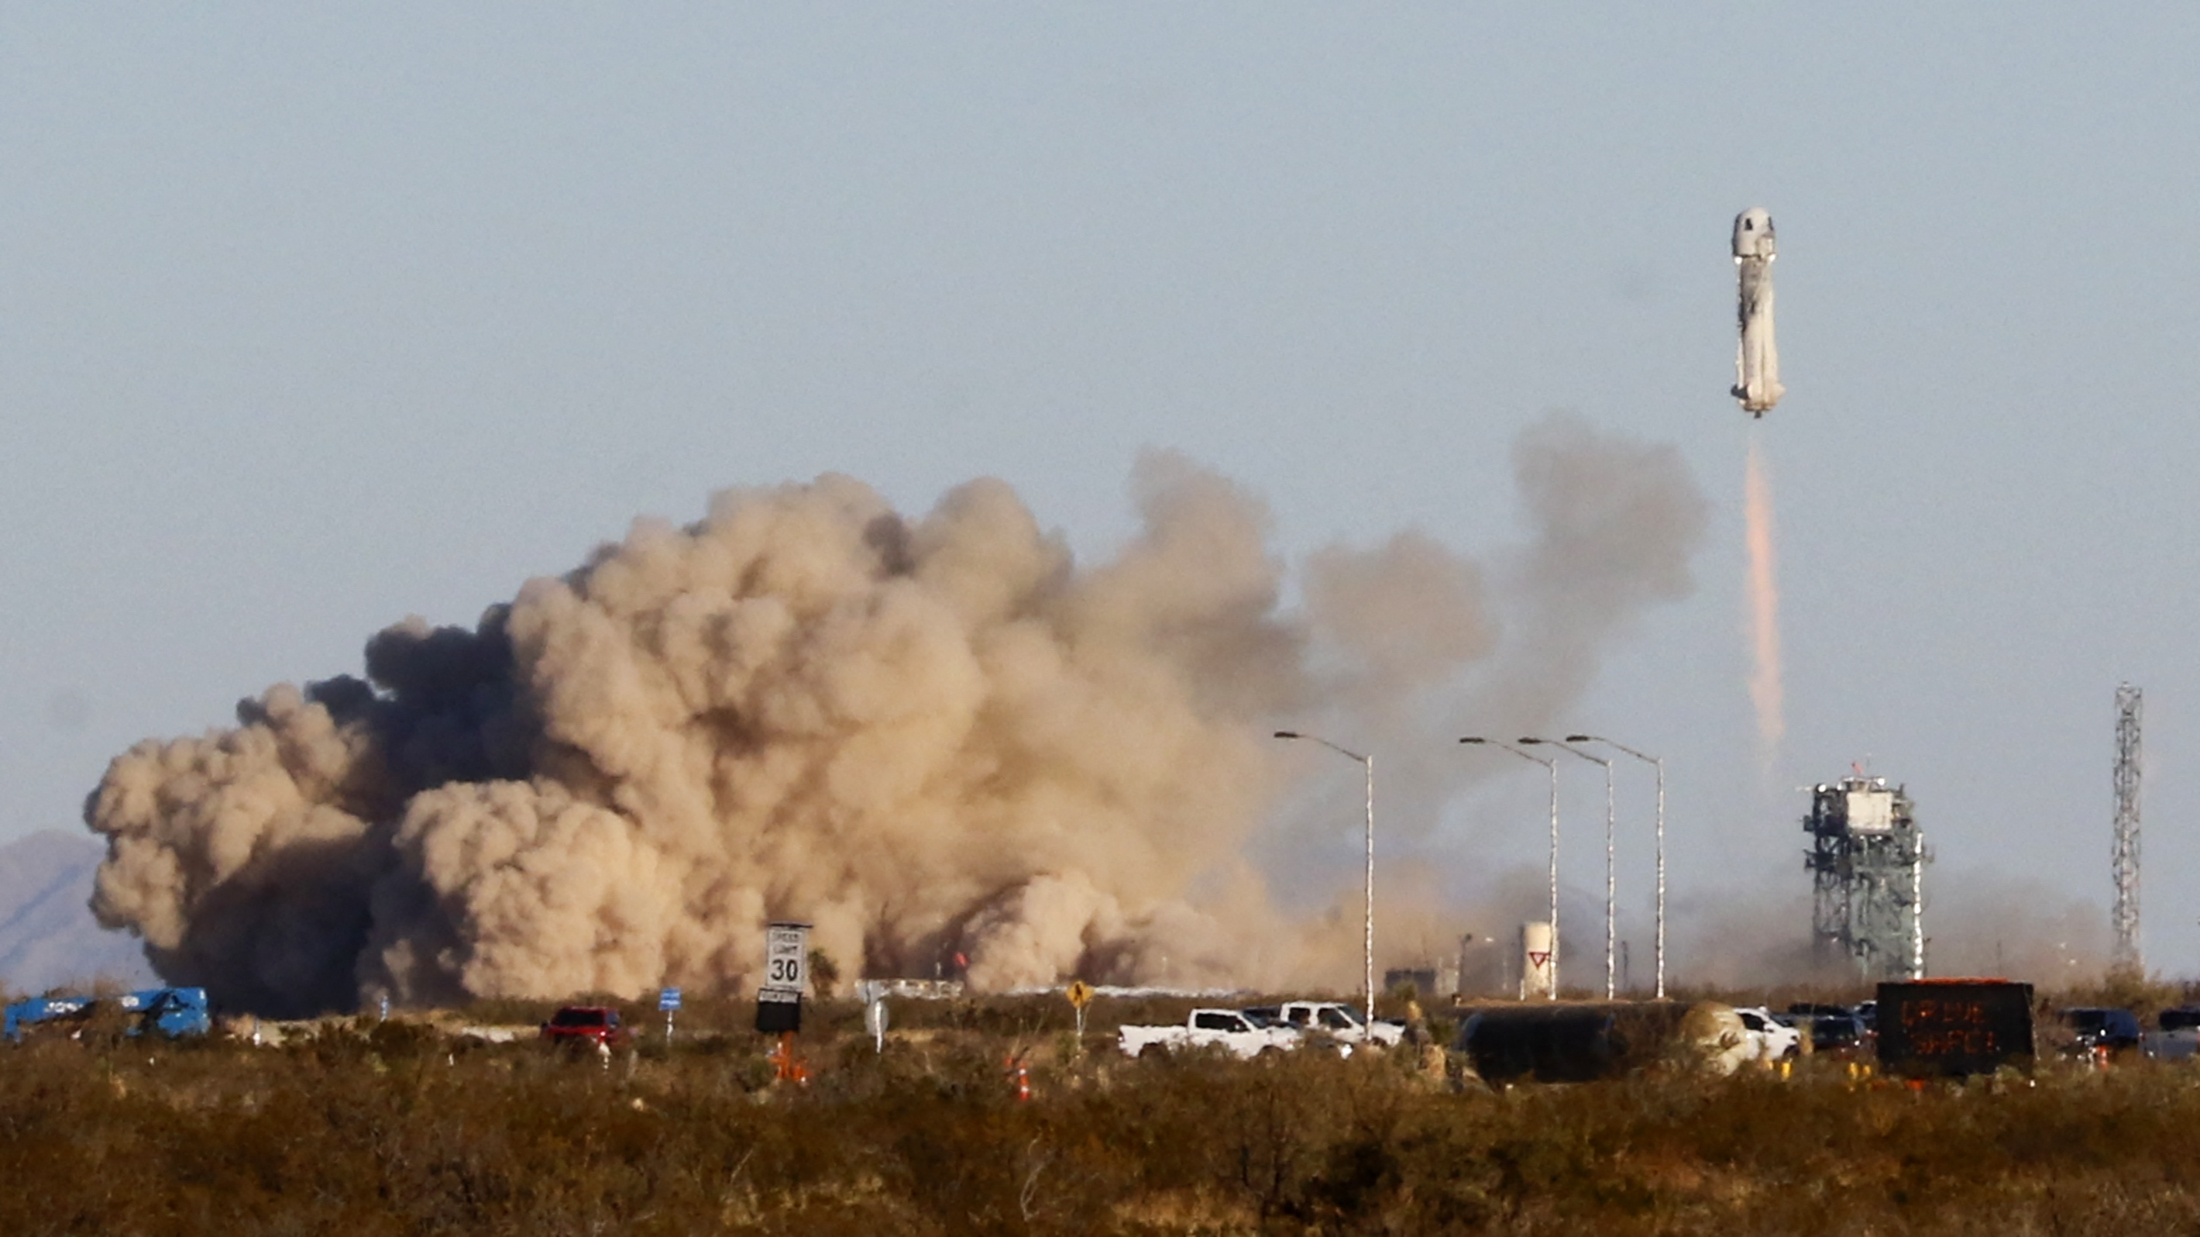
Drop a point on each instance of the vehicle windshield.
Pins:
(2086, 1019)
(2180, 1019)
(579, 1018)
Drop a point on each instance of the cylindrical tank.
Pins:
(1538, 959)
(1568, 1043)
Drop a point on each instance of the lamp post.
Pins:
(1550, 763)
(1659, 764)
(1368, 764)
(1611, 870)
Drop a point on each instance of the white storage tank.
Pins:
(1538, 960)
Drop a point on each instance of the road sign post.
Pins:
(874, 1021)
(1080, 995)
(668, 1000)
(872, 992)
(786, 973)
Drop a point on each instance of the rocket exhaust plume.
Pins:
(928, 735)
(1764, 606)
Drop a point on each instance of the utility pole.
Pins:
(1611, 872)
(1367, 763)
(1659, 762)
(2124, 849)
(1551, 764)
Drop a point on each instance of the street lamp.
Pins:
(1367, 763)
(1550, 763)
(1611, 871)
(1659, 763)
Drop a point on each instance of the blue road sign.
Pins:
(668, 999)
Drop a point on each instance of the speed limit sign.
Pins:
(786, 970)
(787, 957)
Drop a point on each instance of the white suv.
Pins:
(1775, 1039)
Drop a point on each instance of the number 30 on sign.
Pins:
(787, 956)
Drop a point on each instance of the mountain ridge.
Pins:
(48, 937)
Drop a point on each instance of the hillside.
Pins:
(47, 934)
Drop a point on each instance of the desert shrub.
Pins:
(2124, 987)
(383, 1128)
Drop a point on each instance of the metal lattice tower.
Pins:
(1867, 864)
(2124, 850)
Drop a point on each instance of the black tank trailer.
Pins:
(1569, 1042)
(1952, 1028)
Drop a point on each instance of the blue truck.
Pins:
(173, 1012)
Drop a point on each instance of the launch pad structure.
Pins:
(1867, 863)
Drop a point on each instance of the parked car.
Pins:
(593, 1025)
(2178, 1036)
(1836, 1033)
(1814, 1009)
(1832, 1028)
(1774, 1040)
(2095, 1029)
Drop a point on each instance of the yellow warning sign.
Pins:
(1079, 993)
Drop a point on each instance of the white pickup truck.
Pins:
(1337, 1020)
(1245, 1037)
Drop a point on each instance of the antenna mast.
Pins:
(2124, 851)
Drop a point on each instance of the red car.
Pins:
(596, 1025)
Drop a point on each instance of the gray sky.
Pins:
(312, 319)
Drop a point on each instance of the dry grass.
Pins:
(394, 1128)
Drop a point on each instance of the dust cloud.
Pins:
(1754, 932)
(929, 736)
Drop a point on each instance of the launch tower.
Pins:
(1867, 864)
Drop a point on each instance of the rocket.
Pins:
(1756, 357)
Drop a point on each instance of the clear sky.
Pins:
(316, 316)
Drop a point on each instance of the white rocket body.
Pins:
(1757, 357)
